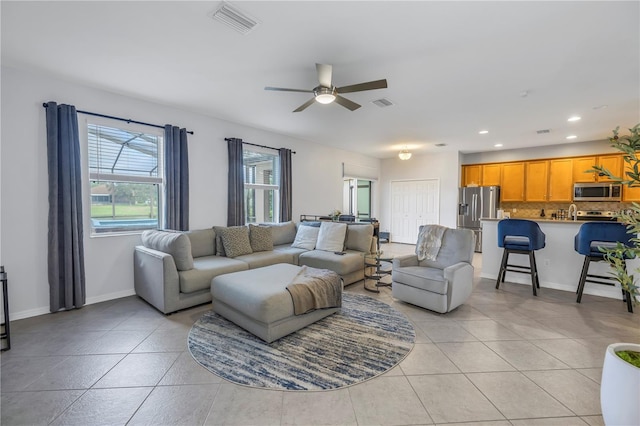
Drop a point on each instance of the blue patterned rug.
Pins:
(362, 341)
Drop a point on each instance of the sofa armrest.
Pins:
(405, 260)
(460, 279)
(155, 278)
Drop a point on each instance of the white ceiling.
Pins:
(453, 68)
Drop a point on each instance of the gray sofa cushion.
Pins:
(293, 251)
(265, 258)
(342, 265)
(260, 238)
(205, 268)
(359, 237)
(429, 279)
(235, 240)
(283, 233)
(176, 244)
(331, 236)
(203, 242)
(457, 246)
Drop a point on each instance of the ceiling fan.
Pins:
(325, 92)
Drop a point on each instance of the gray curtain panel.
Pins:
(176, 169)
(286, 206)
(65, 246)
(235, 205)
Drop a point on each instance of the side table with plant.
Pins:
(620, 385)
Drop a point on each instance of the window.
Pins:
(261, 186)
(126, 175)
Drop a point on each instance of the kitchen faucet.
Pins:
(573, 211)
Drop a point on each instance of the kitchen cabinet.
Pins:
(512, 182)
(629, 194)
(491, 174)
(580, 164)
(471, 175)
(613, 163)
(560, 180)
(537, 178)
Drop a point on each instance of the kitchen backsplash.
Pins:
(532, 210)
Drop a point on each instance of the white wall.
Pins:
(442, 166)
(317, 183)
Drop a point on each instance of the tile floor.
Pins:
(503, 358)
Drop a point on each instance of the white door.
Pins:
(413, 203)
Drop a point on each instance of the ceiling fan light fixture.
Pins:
(404, 154)
(324, 95)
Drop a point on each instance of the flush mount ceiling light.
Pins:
(483, 132)
(571, 137)
(574, 118)
(324, 95)
(498, 145)
(404, 154)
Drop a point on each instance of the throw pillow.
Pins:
(235, 240)
(359, 237)
(306, 237)
(260, 238)
(176, 244)
(331, 236)
(219, 246)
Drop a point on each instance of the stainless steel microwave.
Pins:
(597, 192)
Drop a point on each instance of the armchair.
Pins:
(439, 285)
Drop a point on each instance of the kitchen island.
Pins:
(559, 265)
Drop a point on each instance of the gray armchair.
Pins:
(442, 284)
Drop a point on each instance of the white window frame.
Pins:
(265, 187)
(122, 178)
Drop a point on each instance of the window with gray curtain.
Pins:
(65, 238)
(286, 205)
(176, 166)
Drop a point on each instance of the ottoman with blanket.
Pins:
(260, 301)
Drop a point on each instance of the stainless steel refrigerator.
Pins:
(475, 203)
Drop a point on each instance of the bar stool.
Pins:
(587, 241)
(521, 237)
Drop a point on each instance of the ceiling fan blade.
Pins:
(305, 105)
(371, 85)
(350, 105)
(282, 89)
(324, 74)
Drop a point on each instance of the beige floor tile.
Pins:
(138, 370)
(472, 357)
(572, 353)
(76, 372)
(161, 340)
(241, 405)
(453, 398)
(524, 355)
(594, 374)
(176, 405)
(577, 392)
(517, 397)
(318, 408)
(387, 401)
(440, 331)
(186, 371)
(415, 363)
(594, 420)
(35, 408)
(486, 330)
(489, 423)
(557, 421)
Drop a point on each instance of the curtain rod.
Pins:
(118, 118)
(260, 146)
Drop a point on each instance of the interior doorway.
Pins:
(413, 203)
(357, 198)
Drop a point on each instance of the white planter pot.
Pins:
(620, 388)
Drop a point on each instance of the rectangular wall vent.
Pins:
(234, 18)
(543, 131)
(382, 102)
(441, 144)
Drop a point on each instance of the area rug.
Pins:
(362, 341)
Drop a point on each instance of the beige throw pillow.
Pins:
(331, 236)
(235, 240)
(260, 238)
(306, 237)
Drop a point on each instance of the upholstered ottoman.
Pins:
(258, 301)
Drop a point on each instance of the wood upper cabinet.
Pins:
(580, 164)
(613, 163)
(629, 194)
(537, 178)
(560, 180)
(512, 182)
(471, 175)
(491, 174)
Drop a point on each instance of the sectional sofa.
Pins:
(173, 270)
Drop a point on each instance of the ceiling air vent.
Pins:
(543, 131)
(441, 144)
(382, 102)
(234, 18)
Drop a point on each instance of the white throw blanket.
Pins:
(429, 242)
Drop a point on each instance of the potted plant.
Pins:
(620, 386)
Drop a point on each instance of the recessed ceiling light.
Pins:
(498, 145)
(571, 137)
(483, 132)
(574, 118)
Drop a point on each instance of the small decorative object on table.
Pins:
(335, 214)
(377, 266)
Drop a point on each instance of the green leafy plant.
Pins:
(629, 145)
